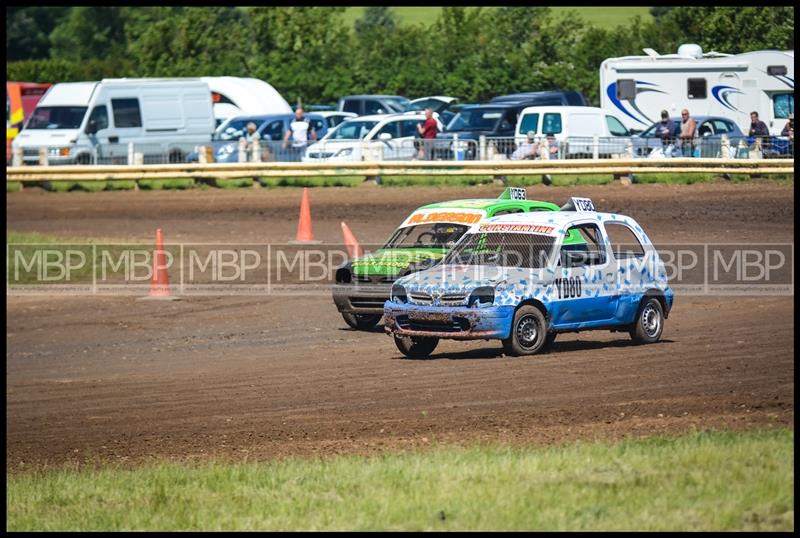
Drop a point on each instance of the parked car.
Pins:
(494, 120)
(271, 128)
(363, 284)
(83, 122)
(363, 105)
(375, 137)
(709, 132)
(574, 129)
(522, 279)
(335, 117)
(545, 98)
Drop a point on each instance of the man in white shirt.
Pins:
(300, 130)
(527, 149)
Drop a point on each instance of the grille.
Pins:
(30, 152)
(420, 298)
(367, 302)
(454, 325)
(453, 299)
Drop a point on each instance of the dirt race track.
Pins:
(112, 379)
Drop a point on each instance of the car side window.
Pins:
(408, 128)
(126, 113)
(351, 105)
(273, 131)
(551, 124)
(624, 243)
(373, 107)
(392, 127)
(705, 129)
(589, 252)
(615, 127)
(100, 117)
(721, 126)
(318, 125)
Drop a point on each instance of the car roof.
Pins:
(374, 96)
(699, 118)
(485, 203)
(558, 219)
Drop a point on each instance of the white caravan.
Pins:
(638, 88)
(84, 122)
(237, 96)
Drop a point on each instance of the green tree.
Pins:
(28, 31)
(89, 33)
(376, 18)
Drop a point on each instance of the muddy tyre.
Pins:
(416, 347)
(528, 332)
(649, 323)
(361, 322)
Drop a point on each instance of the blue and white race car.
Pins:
(525, 277)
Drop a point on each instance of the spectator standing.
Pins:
(528, 149)
(788, 129)
(248, 140)
(688, 134)
(300, 130)
(666, 129)
(428, 129)
(757, 127)
(552, 144)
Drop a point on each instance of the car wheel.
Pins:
(649, 322)
(362, 322)
(416, 347)
(528, 332)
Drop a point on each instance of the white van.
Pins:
(574, 128)
(85, 122)
(241, 96)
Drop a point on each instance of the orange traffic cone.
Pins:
(159, 284)
(304, 233)
(353, 248)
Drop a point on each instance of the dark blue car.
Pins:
(272, 128)
(709, 133)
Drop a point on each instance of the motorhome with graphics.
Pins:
(638, 88)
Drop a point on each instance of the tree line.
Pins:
(309, 53)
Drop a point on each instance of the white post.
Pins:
(482, 147)
(16, 158)
(43, 156)
(138, 158)
(455, 146)
(201, 154)
(595, 147)
(242, 150)
(256, 157)
(131, 154)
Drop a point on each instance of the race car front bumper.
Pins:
(457, 323)
(361, 298)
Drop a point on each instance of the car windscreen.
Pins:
(428, 235)
(476, 119)
(398, 104)
(352, 130)
(57, 117)
(234, 130)
(523, 250)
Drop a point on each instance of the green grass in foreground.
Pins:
(559, 180)
(701, 481)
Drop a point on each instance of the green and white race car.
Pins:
(420, 242)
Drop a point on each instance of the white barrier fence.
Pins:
(406, 168)
(450, 148)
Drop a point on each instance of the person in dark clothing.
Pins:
(788, 129)
(757, 127)
(666, 129)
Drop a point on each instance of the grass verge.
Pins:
(700, 481)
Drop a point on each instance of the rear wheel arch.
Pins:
(658, 294)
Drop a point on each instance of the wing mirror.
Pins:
(91, 127)
(385, 137)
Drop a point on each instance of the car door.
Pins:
(100, 138)
(387, 149)
(581, 296)
(629, 265)
(408, 134)
(127, 114)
